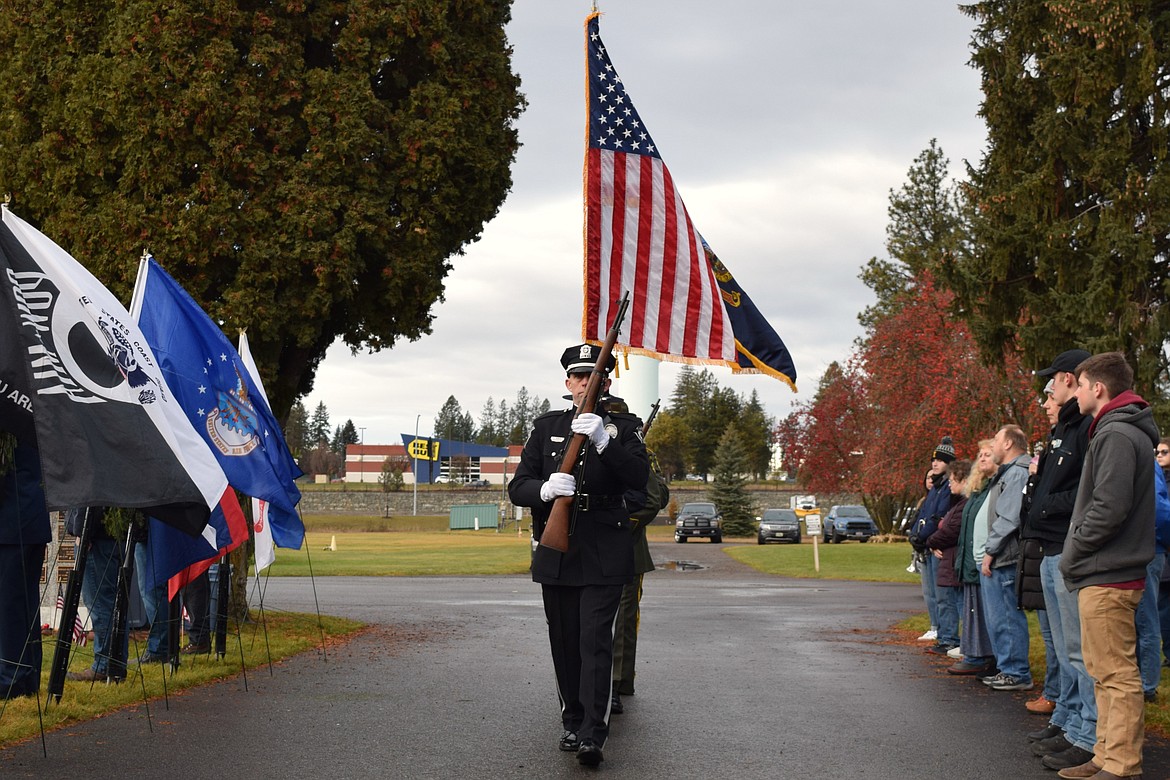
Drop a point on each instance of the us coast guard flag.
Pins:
(75, 369)
(685, 304)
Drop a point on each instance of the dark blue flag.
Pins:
(205, 373)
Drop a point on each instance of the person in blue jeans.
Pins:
(1162, 455)
(1147, 619)
(99, 588)
(154, 599)
(1007, 623)
(1068, 739)
(24, 533)
(934, 506)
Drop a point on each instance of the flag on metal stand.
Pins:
(271, 526)
(638, 236)
(76, 373)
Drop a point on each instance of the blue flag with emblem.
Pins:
(216, 390)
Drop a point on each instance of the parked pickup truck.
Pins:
(699, 519)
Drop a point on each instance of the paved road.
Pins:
(740, 675)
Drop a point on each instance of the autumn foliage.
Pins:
(875, 421)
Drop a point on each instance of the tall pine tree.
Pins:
(1072, 197)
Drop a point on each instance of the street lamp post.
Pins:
(362, 444)
(414, 454)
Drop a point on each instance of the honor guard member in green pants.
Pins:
(583, 586)
(644, 506)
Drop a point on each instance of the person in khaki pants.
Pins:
(1109, 544)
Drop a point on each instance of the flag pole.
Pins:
(69, 611)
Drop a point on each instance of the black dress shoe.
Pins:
(569, 742)
(615, 705)
(589, 753)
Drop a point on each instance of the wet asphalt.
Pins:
(740, 675)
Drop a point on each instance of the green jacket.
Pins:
(965, 567)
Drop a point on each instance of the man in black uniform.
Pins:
(582, 587)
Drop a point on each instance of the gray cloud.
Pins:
(784, 126)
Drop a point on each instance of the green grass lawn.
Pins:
(406, 554)
(287, 634)
(846, 561)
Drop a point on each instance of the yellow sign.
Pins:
(423, 449)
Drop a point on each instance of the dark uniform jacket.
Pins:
(1058, 475)
(601, 550)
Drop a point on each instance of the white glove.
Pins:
(592, 426)
(558, 485)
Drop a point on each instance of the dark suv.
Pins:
(698, 519)
(780, 525)
(848, 521)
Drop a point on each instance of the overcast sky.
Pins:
(784, 125)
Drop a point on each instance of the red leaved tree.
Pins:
(925, 381)
(874, 423)
(818, 442)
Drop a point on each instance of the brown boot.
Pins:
(1085, 770)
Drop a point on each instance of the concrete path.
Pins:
(740, 675)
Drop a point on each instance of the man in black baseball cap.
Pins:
(1066, 741)
(1066, 362)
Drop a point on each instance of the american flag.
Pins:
(684, 303)
(80, 637)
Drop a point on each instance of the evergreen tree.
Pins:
(926, 232)
(452, 424)
(706, 410)
(488, 432)
(296, 430)
(309, 169)
(729, 486)
(757, 429)
(319, 425)
(521, 418)
(1072, 196)
(349, 435)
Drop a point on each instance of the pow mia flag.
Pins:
(76, 372)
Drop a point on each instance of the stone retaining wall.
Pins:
(439, 502)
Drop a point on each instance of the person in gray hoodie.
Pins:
(1109, 544)
(1005, 620)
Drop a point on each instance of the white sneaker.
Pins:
(955, 652)
(929, 636)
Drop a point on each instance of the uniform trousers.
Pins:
(580, 632)
(625, 637)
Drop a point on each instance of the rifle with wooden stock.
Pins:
(650, 418)
(556, 528)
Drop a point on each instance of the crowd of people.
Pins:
(1077, 532)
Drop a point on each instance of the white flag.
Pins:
(265, 548)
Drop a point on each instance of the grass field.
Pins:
(286, 635)
(406, 554)
(870, 562)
